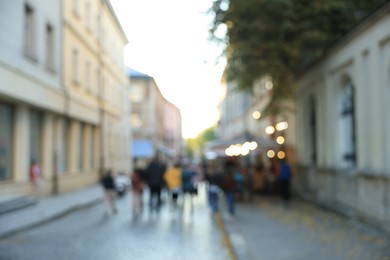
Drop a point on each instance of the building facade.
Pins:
(62, 95)
(241, 122)
(342, 127)
(156, 121)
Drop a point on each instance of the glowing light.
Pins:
(280, 140)
(270, 130)
(252, 145)
(228, 152)
(256, 115)
(269, 85)
(244, 151)
(271, 154)
(281, 126)
(281, 154)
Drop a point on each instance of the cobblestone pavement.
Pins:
(86, 234)
(265, 229)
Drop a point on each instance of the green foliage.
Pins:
(282, 38)
(196, 145)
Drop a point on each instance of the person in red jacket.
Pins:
(35, 178)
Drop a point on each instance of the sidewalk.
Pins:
(47, 209)
(265, 229)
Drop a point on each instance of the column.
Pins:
(377, 126)
(331, 152)
(47, 145)
(21, 144)
(73, 146)
(87, 148)
(362, 111)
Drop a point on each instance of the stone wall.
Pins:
(357, 195)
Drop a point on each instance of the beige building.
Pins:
(156, 122)
(63, 93)
(343, 127)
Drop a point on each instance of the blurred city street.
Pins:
(261, 229)
(87, 234)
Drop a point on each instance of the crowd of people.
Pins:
(226, 179)
(179, 179)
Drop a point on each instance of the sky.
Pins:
(169, 41)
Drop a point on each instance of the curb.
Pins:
(225, 236)
(50, 218)
(236, 240)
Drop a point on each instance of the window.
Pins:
(98, 27)
(136, 94)
(135, 122)
(75, 63)
(6, 137)
(29, 32)
(50, 47)
(313, 129)
(92, 147)
(88, 15)
(36, 120)
(88, 76)
(347, 125)
(76, 7)
(98, 83)
(65, 146)
(81, 147)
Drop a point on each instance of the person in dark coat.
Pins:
(109, 193)
(229, 185)
(284, 178)
(155, 179)
(213, 178)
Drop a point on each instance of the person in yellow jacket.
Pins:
(172, 179)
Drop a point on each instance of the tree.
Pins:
(197, 144)
(282, 38)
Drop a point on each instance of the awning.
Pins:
(142, 148)
(220, 145)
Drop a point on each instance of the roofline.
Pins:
(108, 3)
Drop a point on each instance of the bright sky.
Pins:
(168, 40)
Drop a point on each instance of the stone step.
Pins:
(14, 203)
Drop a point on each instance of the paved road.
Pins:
(265, 229)
(86, 234)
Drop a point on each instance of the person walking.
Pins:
(229, 185)
(35, 174)
(173, 181)
(188, 175)
(284, 178)
(214, 179)
(109, 193)
(155, 178)
(137, 187)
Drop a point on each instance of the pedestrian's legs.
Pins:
(230, 201)
(36, 188)
(136, 202)
(175, 195)
(152, 195)
(112, 201)
(106, 202)
(213, 200)
(158, 193)
(285, 192)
